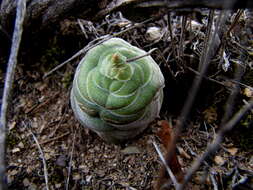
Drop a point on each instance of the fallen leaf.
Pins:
(166, 135)
(248, 92)
(58, 185)
(15, 150)
(47, 156)
(12, 125)
(88, 178)
(219, 160)
(26, 182)
(131, 150)
(84, 168)
(76, 176)
(210, 115)
(232, 150)
(21, 145)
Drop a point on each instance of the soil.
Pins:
(77, 158)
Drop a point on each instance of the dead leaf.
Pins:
(248, 92)
(219, 160)
(47, 156)
(26, 182)
(15, 150)
(21, 145)
(210, 115)
(58, 185)
(131, 150)
(166, 135)
(232, 150)
(76, 176)
(12, 125)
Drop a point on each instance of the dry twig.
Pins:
(177, 4)
(43, 159)
(55, 138)
(203, 65)
(141, 56)
(181, 42)
(93, 44)
(172, 176)
(216, 143)
(70, 161)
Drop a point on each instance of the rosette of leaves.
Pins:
(113, 96)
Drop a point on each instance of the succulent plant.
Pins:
(114, 97)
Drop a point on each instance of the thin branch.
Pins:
(181, 42)
(208, 78)
(171, 35)
(172, 176)
(177, 4)
(235, 22)
(82, 28)
(141, 56)
(84, 50)
(55, 138)
(16, 39)
(70, 161)
(242, 84)
(216, 143)
(231, 99)
(204, 63)
(207, 38)
(93, 44)
(214, 182)
(198, 79)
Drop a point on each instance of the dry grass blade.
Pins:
(43, 160)
(16, 39)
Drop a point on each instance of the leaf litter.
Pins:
(84, 160)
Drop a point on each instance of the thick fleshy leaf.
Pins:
(110, 92)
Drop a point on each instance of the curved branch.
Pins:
(43, 13)
(16, 39)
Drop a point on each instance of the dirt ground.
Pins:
(77, 158)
